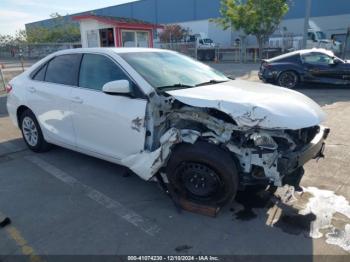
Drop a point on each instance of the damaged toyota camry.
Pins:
(168, 118)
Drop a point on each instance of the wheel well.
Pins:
(20, 111)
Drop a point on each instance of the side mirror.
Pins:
(117, 87)
(335, 62)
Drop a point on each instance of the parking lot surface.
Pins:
(63, 202)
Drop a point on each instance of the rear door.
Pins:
(49, 97)
(105, 123)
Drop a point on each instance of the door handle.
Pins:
(314, 70)
(31, 89)
(77, 99)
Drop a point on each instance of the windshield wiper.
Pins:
(174, 86)
(211, 82)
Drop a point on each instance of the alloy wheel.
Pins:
(288, 79)
(30, 132)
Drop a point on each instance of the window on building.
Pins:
(135, 38)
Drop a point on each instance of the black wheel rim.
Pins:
(199, 180)
(288, 79)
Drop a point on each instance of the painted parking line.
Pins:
(14, 234)
(114, 206)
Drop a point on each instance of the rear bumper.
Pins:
(266, 76)
(289, 163)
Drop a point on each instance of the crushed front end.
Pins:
(277, 156)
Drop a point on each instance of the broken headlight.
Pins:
(264, 141)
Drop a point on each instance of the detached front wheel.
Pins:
(203, 173)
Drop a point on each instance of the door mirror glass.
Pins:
(117, 87)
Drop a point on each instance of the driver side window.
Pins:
(317, 59)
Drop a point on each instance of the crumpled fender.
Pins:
(146, 163)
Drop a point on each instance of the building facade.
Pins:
(329, 16)
(111, 31)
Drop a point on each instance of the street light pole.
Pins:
(306, 21)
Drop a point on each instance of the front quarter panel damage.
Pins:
(147, 163)
(170, 122)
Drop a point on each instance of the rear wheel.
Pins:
(288, 79)
(203, 173)
(32, 133)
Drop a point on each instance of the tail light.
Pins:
(8, 88)
(266, 65)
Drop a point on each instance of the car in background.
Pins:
(305, 66)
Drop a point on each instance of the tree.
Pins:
(172, 33)
(56, 34)
(9, 40)
(254, 17)
(60, 31)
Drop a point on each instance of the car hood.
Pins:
(255, 104)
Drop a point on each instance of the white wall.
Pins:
(220, 36)
(88, 25)
(327, 24)
(214, 32)
(200, 26)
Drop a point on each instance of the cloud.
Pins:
(11, 21)
(17, 13)
(45, 5)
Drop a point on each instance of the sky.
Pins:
(14, 14)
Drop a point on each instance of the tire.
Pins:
(203, 173)
(32, 133)
(288, 79)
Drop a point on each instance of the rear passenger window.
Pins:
(40, 75)
(97, 70)
(63, 70)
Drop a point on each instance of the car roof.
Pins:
(301, 52)
(108, 50)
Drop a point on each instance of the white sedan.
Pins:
(168, 117)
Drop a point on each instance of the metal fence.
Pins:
(220, 54)
(2, 81)
(33, 51)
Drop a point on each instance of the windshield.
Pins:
(320, 35)
(166, 69)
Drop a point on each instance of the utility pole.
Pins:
(306, 21)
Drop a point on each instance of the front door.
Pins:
(107, 37)
(104, 122)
